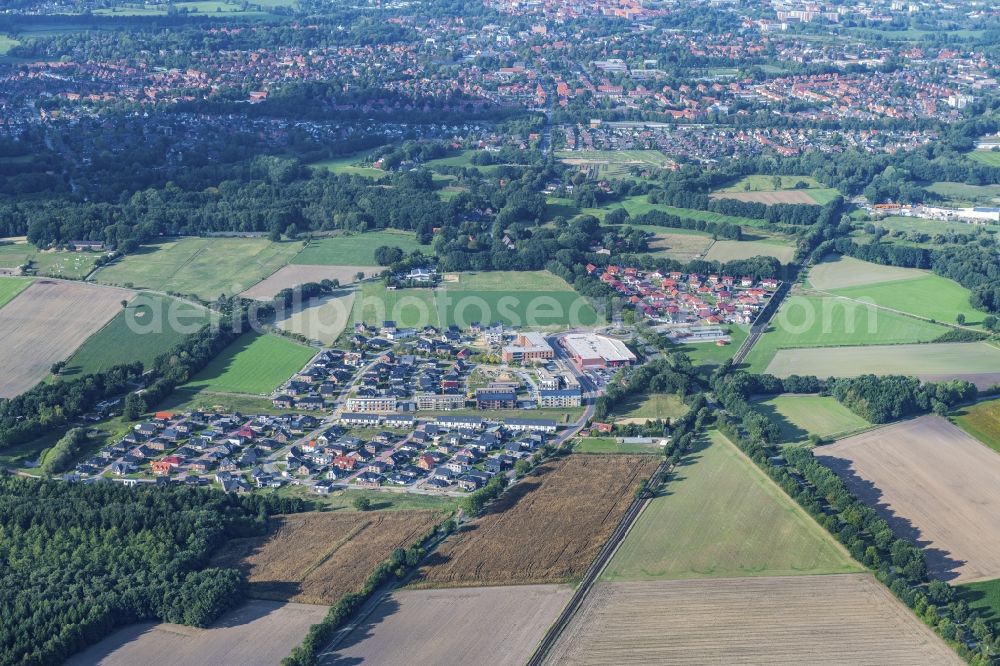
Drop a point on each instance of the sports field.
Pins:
(982, 421)
(536, 299)
(977, 362)
(205, 267)
(722, 517)
(356, 249)
(845, 272)
(799, 416)
(842, 620)
(409, 308)
(151, 325)
(930, 296)
(815, 321)
(935, 485)
(11, 287)
(252, 364)
(731, 250)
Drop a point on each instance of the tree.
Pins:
(960, 319)
(990, 323)
(359, 276)
(362, 503)
(134, 406)
(57, 367)
(124, 303)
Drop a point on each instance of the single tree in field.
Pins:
(776, 181)
(359, 276)
(362, 503)
(124, 303)
(960, 319)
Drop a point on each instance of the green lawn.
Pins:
(931, 227)
(652, 406)
(150, 326)
(205, 267)
(982, 421)
(609, 445)
(987, 157)
(816, 321)
(983, 597)
(932, 296)
(350, 165)
(639, 204)
(7, 43)
(720, 516)
(374, 304)
(11, 287)
(509, 281)
(707, 355)
(765, 183)
(799, 416)
(356, 249)
(253, 364)
(961, 194)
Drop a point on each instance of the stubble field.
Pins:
(295, 274)
(546, 529)
(46, 323)
(484, 625)
(936, 485)
(837, 620)
(315, 558)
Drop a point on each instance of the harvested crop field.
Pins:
(682, 247)
(296, 274)
(46, 323)
(977, 362)
(314, 558)
(731, 250)
(447, 626)
(323, 318)
(546, 529)
(845, 619)
(845, 272)
(259, 633)
(936, 485)
(769, 198)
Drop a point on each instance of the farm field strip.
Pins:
(731, 250)
(977, 362)
(769, 197)
(447, 626)
(11, 287)
(576, 502)
(356, 249)
(46, 323)
(722, 517)
(315, 558)
(323, 318)
(799, 416)
(930, 296)
(293, 275)
(259, 633)
(845, 619)
(982, 421)
(935, 484)
(846, 272)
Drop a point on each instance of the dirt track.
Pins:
(259, 633)
(840, 619)
(936, 485)
(486, 625)
(46, 323)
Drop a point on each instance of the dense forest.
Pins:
(80, 560)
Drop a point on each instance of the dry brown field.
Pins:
(935, 484)
(546, 529)
(499, 626)
(780, 197)
(296, 274)
(839, 619)
(259, 633)
(680, 246)
(46, 323)
(323, 318)
(315, 558)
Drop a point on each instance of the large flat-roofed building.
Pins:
(382, 403)
(496, 398)
(588, 350)
(571, 397)
(529, 346)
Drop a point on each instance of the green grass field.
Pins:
(720, 516)
(982, 421)
(931, 296)
(652, 406)
(983, 597)
(11, 287)
(409, 308)
(205, 267)
(72, 265)
(253, 364)
(931, 227)
(357, 249)
(815, 321)
(185, 400)
(961, 194)
(639, 204)
(141, 332)
(609, 445)
(730, 250)
(509, 281)
(706, 356)
(987, 157)
(350, 165)
(765, 183)
(343, 500)
(7, 43)
(799, 416)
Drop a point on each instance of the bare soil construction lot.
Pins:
(546, 529)
(484, 625)
(259, 633)
(296, 274)
(936, 485)
(317, 557)
(840, 619)
(45, 323)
